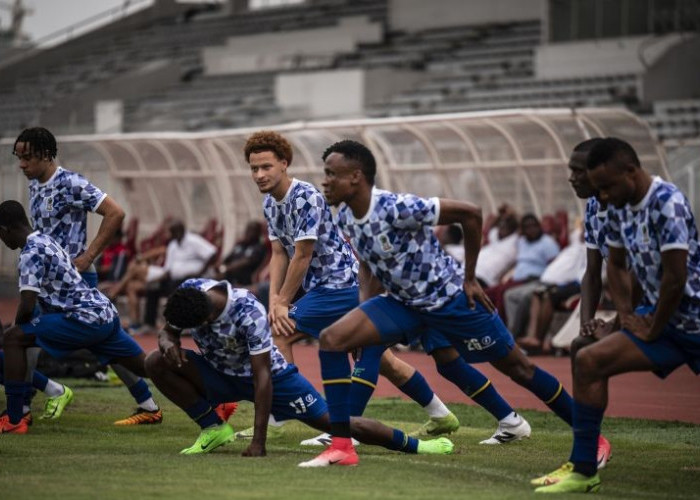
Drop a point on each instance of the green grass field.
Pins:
(84, 456)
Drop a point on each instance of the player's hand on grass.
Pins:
(475, 293)
(254, 450)
(640, 326)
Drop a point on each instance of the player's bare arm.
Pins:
(298, 267)
(262, 382)
(673, 280)
(468, 216)
(112, 218)
(27, 304)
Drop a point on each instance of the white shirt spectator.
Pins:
(568, 266)
(183, 259)
(496, 258)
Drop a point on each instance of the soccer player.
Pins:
(59, 201)
(654, 228)
(426, 289)
(238, 361)
(73, 314)
(597, 252)
(309, 253)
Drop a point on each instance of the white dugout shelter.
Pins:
(517, 156)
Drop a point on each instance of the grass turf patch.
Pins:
(84, 456)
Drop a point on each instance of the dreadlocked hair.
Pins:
(187, 308)
(41, 142)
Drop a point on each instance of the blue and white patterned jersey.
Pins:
(59, 208)
(241, 331)
(595, 228)
(46, 268)
(303, 214)
(662, 221)
(396, 241)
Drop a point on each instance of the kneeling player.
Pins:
(238, 361)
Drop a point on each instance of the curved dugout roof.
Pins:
(489, 158)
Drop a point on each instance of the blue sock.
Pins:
(15, 392)
(476, 386)
(203, 414)
(140, 391)
(584, 455)
(401, 441)
(552, 393)
(335, 373)
(364, 379)
(418, 389)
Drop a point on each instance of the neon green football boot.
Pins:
(554, 476)
(573, 483)
(53, 408)
(437, 426)
(210, 439)
(439, 446)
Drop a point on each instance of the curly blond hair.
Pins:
(269, 140)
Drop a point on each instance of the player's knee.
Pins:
(579, 343)
(331, 340)
(586, 364)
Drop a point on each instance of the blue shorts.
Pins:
(321, 307)
(90, 277)
(672, 349)
(59, 336)
(293, 397)
(477, 334)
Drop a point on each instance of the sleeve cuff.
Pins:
(307, 237)
(29, 288)
(615, 244)
(436, 201)
(674, 246)
(99, 202)
(261, 351)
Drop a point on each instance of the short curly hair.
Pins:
(187, 308)
(269, 140)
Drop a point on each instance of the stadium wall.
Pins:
(416, 15)
(617, 56)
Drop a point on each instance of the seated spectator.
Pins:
(499, 255)
(186, 255)
(558, 283)
(535, 251)
(113, 262)
(246, 256)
